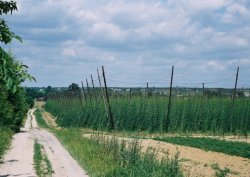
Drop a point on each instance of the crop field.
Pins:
(214, 115)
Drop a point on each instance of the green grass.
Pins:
(39, 118)
(5, 140)
(110, 158)
(42, 164)
(232, 148)
(220, 172)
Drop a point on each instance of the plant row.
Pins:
(186, 114)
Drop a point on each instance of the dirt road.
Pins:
(19, 160)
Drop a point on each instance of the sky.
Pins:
(136, 41)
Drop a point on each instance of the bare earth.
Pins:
(19, 160)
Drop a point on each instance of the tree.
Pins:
(13, 104)
(74, 87)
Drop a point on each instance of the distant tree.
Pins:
(48, 90)
(74, 87)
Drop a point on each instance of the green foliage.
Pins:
(187, 114)
(5, 140)
(233, 148)
(12, 73)
(6, 7)
(103, 156)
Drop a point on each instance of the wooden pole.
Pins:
(90, 98)
(112, 124)
(234, 96)
(235, 86)
(80, 98)
(146, 90)
(103, 96)
(83, 91)
(169, 101)
(93, 86)
(130, 93)
(203, 89)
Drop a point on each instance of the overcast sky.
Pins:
(137, 41)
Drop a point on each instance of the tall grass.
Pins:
(187, 114)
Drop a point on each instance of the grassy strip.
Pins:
(5, 140)
(232, 148)
(113, 158)
(42, 164)
(39, 118)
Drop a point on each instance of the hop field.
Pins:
(140, 113)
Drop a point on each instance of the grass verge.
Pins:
(5, 140)
(39, 118)
(42, 164)
(114, 158)
(232, 148)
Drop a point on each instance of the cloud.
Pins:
(75, 37)
(69, 52)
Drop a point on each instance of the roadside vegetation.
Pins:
(39, 118)
(13, 102)
(210, 144)
(5, 140)
(109, 157)
(42, 164)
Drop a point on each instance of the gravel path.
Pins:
(19, 160)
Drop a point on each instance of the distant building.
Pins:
(246, 93)
(40, 99)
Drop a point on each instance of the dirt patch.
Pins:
(194, 162)
(50, 120)
(39, 104)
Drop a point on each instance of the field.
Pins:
(183, 124)
(203, 160)
(214, 115)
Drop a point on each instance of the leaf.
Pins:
(25, 66)
(9, 83)
(14, 89)
(18, 38)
